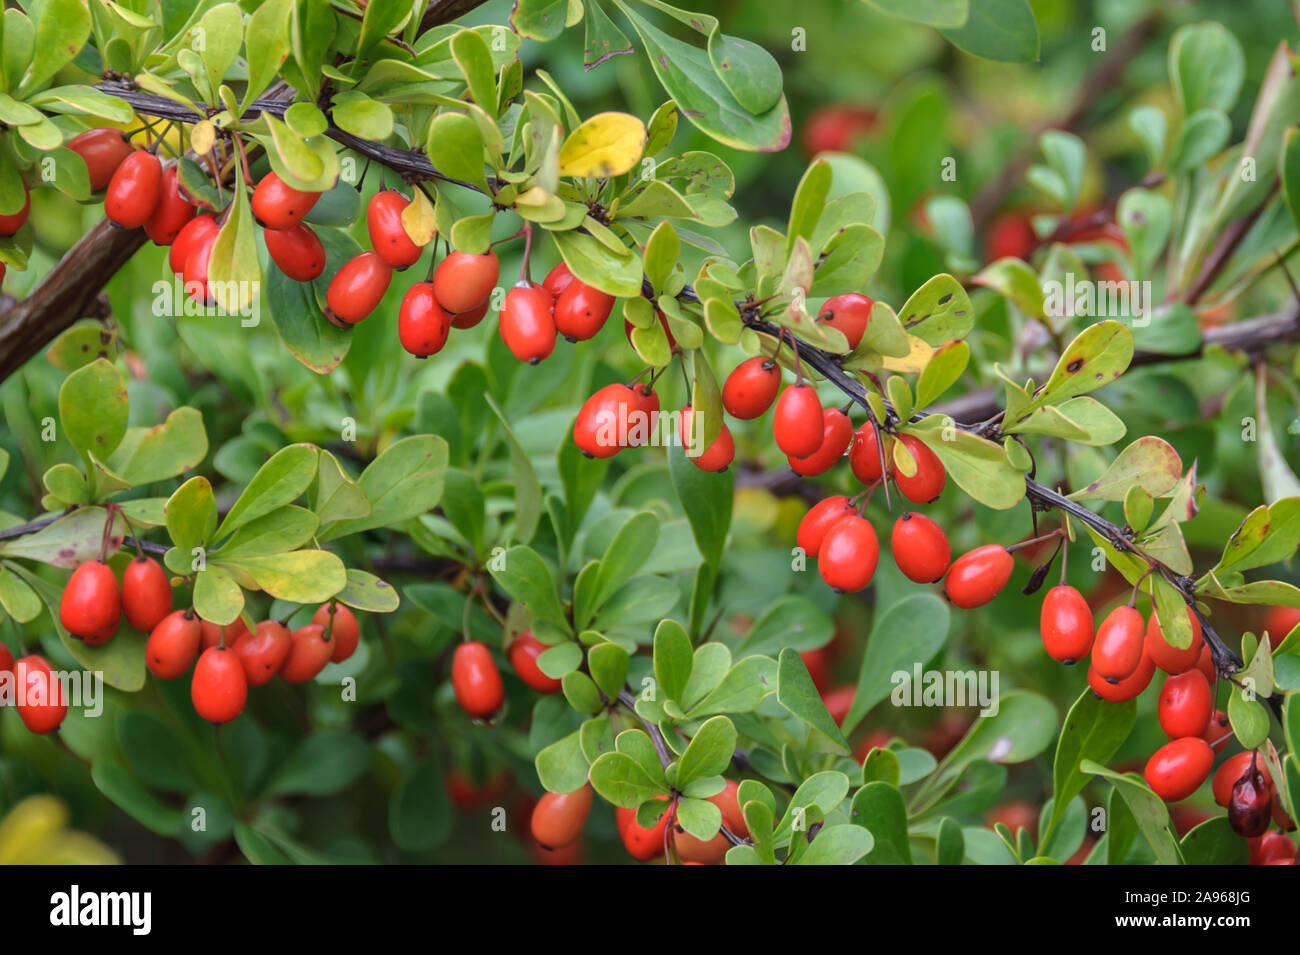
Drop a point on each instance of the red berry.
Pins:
(476, 680)
(388, 236)
(1185, 705)
(864, 455)
(1117, 651)
(1274, 846)
(309, 652)
(346, 632)
(639, 433)
(718, 456)
(1168, 658)
(558, 818)
(103, 151)
(6, 659)
(641, 843)
(979, 575)
(848, 554)
(1232, 769)
(797, 422)
(1279, 622)
(467, 794)
(146, 593)
(1250, 807)
(1205, 663)
(818, 663)
(527, 323)
(277, 205)
(219, 688)
(604, 421)
(581, 311)
(839, 701)
(471, 318)
(1177, 769)
(196, 230)
(836, 127)
(558, 279)
(212, 633)
(920, 548)
(134, 190)
(38, 694)
(91, 602)
(1129, 688)
(837, 432)
(928, 481)
(173, 211)
(173, 645)
(196, 270)
(1218, 731)
(264, 651)
(713, 851)
(357, 289)
(422, 325)
(464, 281)
(297, 251)
(524, 651)
(1066, 625)
(821, 517)
(848, 314)
(1010, 236)
(9, 224)
(751, 387)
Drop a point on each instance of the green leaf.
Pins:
(941, 372)
(709, 667)
(879, 808)
(324, 763)
(1016, 281)
(419, 814)
(839, 845)
(823, 791)
(1249, 719)
(791, 621)
(1200, 138)
(672, 658)
(17, 598)
(126, 792)
(541, 20)
(709, 751)
(403, 482)
(746, 685)
(1093, 730)
(561, 766)
(526, 578)
(1096, 357)
(365, 591)
(1148, 123)
(93, 408)
(597, 265)
(1214, 843)
(942, 14)
(978, 466)
(147, 455)
(363, 117)
(67, 541)
(906, 633)
(1147, 808)
(62, 28)
(707, 500)
(622, 780)
(950, 844)
(1206, 67)
(283, 529)
(282, 479)
(267, 45)
(603, 39)
(191, 515)
(939, 311)
(999, 30)
(295, 306)
(304, 576)
(608, 664)
(796, 692)
(234, 275)
(1148, 462)
(471, 53)
(217, 597)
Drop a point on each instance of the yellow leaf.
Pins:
(418, 219)
(916, 359)
(202, 137)
(607, 144)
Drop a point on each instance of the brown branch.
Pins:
(444, 11)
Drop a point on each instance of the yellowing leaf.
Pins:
(607, 144)
(919, 353)
(418, 219)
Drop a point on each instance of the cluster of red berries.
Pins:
(226, 661)
(476, 680)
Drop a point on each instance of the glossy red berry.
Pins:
(581, 311)
(848, 555)
(604, 421)
(422, 325)
(797, 421)
(219, 687)
(713, 851)
(1231, 770)
(277, 205)
(9, 224)
(197, 265)
(173, 645)
(6, 659)
(1119, 645)
(1177, 769)
(134, 190)
(103, 151)
(837, 432)
(558, 279)
(928, 481)
(821, 517)
(558, 818)
(1274, 846)
(527, 323)
(641, 430)
(979, 575)
(296, 251)
(1218, 731)
(464, 281)
(91, 603)
(309, 653)
(864, 455)
(212, 634)
(196, 230)
(476, 680)
(751, 387)
(1205, 663)
(388, 236)
(146, 593)
(1129, 688)
(357, 289)
(848, 314)
(262, 652)
(1066, 625)
(1185, 705)
(1279, 622)
(920, 548)
(524, 651)
(717, 456)
(471, 318)
(173, 211)
(1169, 658)
(38, 694)
(642, 844)
(345, 635)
